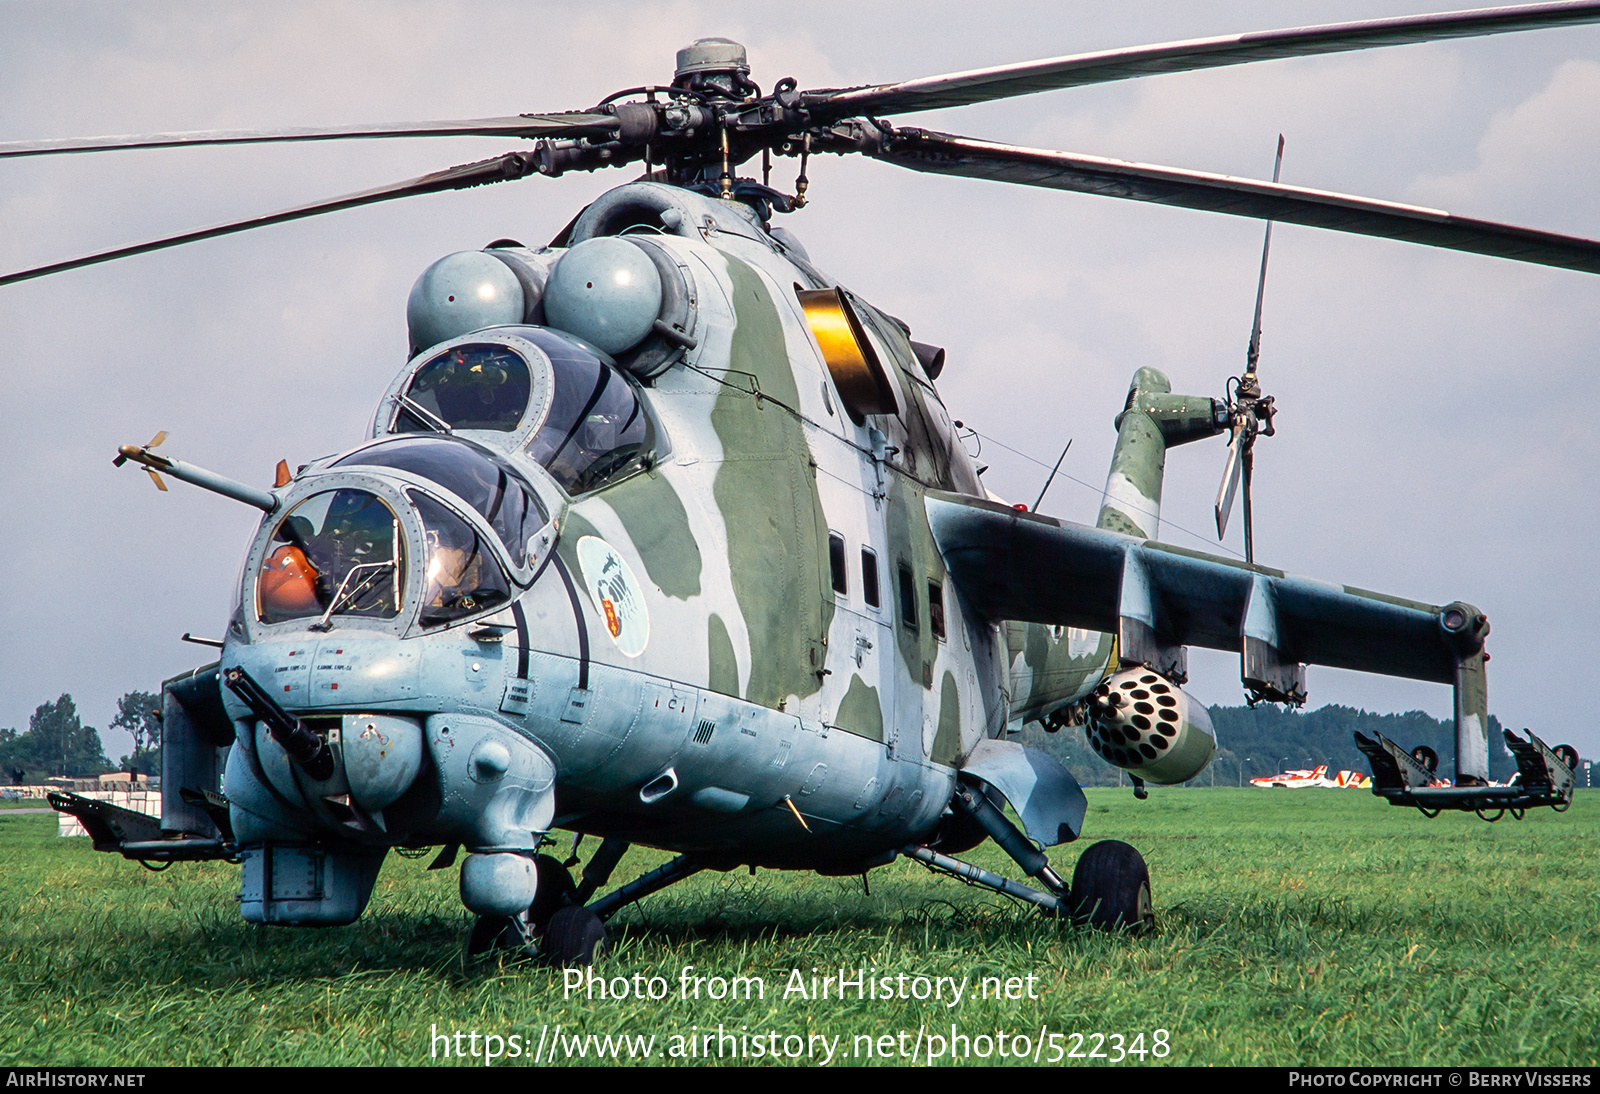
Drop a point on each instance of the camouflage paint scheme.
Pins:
(762, 716)
(759, 683)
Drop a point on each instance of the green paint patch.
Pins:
(654, 517)
(860, 711)
(911, 543)
(1056, 674)
(658, 524)
(723, 674)
(947, 737)
(574, 526)
(766, 489)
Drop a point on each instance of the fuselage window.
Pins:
(467, 387)
(502, 496)
(869, 578)
(598, 429)
(836, 563)
(936, 609)
(342, 549)
(908, 597)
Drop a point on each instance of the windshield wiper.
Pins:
(426, 416)
(374, 568)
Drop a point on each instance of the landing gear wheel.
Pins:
(1567, 755)
(497, 932)
(556, 891)
(1111, 889)
(575, 935)
(1427, 757)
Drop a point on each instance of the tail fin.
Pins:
(1152, 420)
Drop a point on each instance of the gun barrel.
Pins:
(303, 744)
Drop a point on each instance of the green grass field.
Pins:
(1294, 928)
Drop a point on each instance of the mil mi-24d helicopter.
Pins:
(664, 537)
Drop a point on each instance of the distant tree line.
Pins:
(58, 744)
(1270, 739)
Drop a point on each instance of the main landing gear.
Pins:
(563, 927)
(1110, 887)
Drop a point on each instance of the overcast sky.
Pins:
(1437, 426)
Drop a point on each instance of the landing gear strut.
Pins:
(567, 928)
(1110, 887)
(555, 890)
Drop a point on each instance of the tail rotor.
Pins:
(1249, 411)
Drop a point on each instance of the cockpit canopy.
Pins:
(461, 574)
(472, 473)
(468, 387)
(343, 551)
(337, 551)
(557, 398)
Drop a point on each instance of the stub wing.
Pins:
(1011, 564)
(1158, 599)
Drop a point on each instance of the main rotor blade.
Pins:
(944, 154)
(529, 126)
(1005, 81)
(1252, 352)
(513, 165)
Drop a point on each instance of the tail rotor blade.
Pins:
(1253, 354)
(1230, 483)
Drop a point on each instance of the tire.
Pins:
(1111, 889)
(556, 891)
(574, 937)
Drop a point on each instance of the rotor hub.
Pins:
(714, 66)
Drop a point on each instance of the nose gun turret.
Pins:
(304, 745)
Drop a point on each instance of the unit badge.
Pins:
(615, 591)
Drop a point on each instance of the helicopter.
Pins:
(938, 602)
